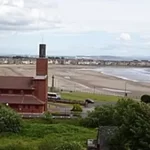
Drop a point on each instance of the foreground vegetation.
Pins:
(130, 117)
(132, 120)
(10, 121)
(39, 134)
(83, 96)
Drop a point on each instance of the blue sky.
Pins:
(75, 27)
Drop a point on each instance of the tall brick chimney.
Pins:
(41, 79)
(42, 61)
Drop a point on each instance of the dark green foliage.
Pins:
(132, 119)
(10, 121)
(76, 107)
(145, 98)
(102, 115)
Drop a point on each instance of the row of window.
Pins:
(28, 107)
(15, 92)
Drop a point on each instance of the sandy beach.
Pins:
(73, 78)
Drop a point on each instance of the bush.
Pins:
(145, 98)
(77, 108)
(132, 119)
(10, 121)
(48, 116)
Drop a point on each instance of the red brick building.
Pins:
(27, 94)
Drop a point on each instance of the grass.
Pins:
(37, 131)
(83, 96)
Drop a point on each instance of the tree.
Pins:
(132, 119)
(10, 121)
(145, 98)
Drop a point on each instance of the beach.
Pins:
(82, 78)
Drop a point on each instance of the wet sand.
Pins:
(69, 77)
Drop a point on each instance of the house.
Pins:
(27, 94)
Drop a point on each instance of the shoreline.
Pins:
(123, 77)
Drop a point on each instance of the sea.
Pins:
(133, 74)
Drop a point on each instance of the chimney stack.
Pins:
(42, 61)
(42, 50)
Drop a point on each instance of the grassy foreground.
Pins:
(83, 96)
(36, 133)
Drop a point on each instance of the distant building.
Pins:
(27, 94)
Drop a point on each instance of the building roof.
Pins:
(16, 82)
(20, 99)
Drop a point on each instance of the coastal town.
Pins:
(74, 61)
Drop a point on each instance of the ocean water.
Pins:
(134, 74)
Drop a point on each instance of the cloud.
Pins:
(75, 16)
(27, 15)
(125, 37)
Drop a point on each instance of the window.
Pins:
(16, 91)
(26, 106)
(36, 107)
(22, 92)
(10, 91)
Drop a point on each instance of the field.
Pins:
(37, 134)
(83, 96)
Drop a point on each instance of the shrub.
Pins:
(10, 121)
(76, 107)
(48, 116)
(145, 98)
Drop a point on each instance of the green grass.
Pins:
(36, 132)
(83, 96)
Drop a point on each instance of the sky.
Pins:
(75, 27)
